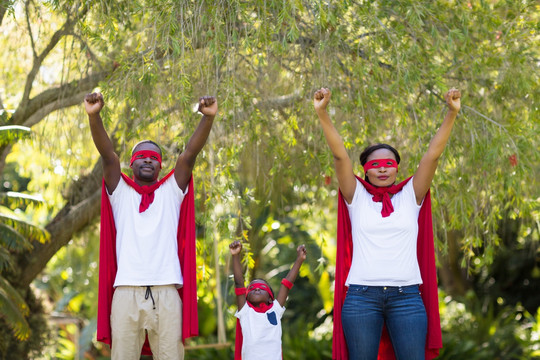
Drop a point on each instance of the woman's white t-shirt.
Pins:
(384, 248)
(146, 243)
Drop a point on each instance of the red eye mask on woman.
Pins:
(377, 163)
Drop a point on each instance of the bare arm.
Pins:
(93, 104)
(186, 160)
(342, 161)
(293, 273)
(426, 169)
(236, 248)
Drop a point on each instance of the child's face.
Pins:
(256, 295)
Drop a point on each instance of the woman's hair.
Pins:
(371, 148)
(143, 142)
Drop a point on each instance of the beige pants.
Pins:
(133, 316)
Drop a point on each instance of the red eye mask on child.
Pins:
(261, 286)
(377, 163)
(143, 154)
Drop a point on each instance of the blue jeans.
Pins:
(367, 308)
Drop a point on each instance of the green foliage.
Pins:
(16, 236)
(12, 347)
(14, 310)
(12, 133)
(266, 175)
(474, 331)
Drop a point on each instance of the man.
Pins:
(147, 244)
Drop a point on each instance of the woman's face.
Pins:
(382, 176)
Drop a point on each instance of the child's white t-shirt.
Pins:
(384, 248)
(261, 332)
(146, 243)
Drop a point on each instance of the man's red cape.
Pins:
(186, 254)
(425, 249)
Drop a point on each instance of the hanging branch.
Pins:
(66, 29)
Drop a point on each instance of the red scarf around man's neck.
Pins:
(425, 250)
(186, 237)
(146, 191)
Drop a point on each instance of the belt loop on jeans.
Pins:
(149, 294)
(400, 289)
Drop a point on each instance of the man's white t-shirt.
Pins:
(146, 243)
(261, 332)
(384, 248)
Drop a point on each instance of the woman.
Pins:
(385, 263)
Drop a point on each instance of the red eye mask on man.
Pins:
(143, 154)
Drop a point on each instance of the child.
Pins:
(259, 313)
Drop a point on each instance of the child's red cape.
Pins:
(426, 260)
(186, 254)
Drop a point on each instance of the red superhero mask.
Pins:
(143, 154)
(262, 306)
(262, 286)
(377, 163)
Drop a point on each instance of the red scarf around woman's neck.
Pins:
(380, 194)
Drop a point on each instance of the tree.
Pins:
(386, 62)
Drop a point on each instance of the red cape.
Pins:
(425, 249)
(186, 254)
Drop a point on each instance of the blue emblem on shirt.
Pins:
(272, 318)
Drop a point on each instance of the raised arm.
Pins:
(93, 103)
(236, 248)
(426, 169)
(342, 161)
(186, 161)
(293, 273)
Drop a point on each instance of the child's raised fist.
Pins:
(301, 252)
(235, 247)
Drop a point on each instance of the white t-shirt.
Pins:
(146, 243)
(261, 332)
(384, 248)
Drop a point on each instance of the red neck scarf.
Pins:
(146, 191)
(263, 307)
(380, 194)
(425, 252)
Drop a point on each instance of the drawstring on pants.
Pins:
(149, 294)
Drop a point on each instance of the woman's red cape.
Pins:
(426, 260)
(186, 253)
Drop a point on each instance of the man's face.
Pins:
(146, 169)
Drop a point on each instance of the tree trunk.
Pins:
(452, 277)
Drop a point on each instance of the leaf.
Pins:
(14, 309)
